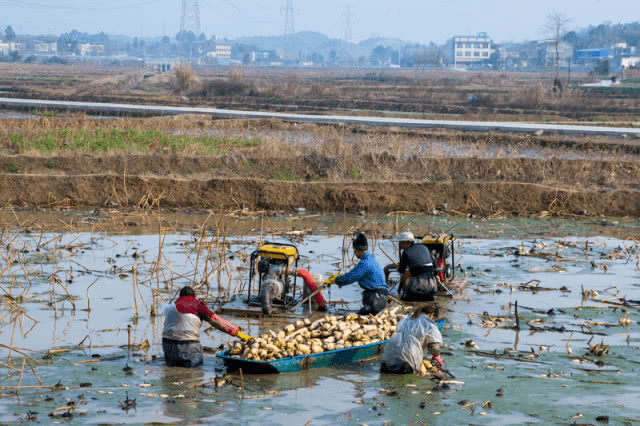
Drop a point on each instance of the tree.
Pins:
(9, 34)
(602, 68)
(379, 55)
(555, 27)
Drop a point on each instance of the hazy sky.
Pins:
(420, 21)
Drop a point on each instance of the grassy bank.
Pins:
(120, 140)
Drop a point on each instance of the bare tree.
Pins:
(556, 26)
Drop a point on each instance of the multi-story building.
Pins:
(468, 50)
(546, 54)
(89, 49)
(10, 46)
(46, 47)
(223, 51)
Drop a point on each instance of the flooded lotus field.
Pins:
(81, 323)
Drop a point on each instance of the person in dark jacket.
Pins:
(417, 281)
(369, 276)
(181, 333)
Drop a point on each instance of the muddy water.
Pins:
(502, 376)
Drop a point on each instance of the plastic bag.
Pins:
(408, 343)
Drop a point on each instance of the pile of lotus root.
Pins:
(326, 334)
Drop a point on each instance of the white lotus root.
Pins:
(326, 334)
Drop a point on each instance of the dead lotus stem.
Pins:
(55, 302)
(133, 283)
(89, 297)
(8, 265)
(144, 303)
(33, 370)
(10, 367)
(24, 361)
(198, 247)
(161, 237)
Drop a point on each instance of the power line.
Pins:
(84, 7)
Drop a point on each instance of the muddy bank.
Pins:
(482, 199)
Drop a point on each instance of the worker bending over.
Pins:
(414, 334)
(417, 283)
(369, 277)
(181, 333)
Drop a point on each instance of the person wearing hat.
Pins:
(369, 276)
(181, 333)
(417, 282)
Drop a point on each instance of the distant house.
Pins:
(468, 50)
(89, 49)
(260, 56)
(223, 51)
(46, 47)
(619, 56)
(630, 62)
(10, 46)
(544, 52)
(593, 56)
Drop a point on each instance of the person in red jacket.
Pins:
(181, 333)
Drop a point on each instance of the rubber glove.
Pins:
(243, 336)
(332, 279)
(437, 360)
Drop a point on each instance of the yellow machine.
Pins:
(441, 248)
(276, 264)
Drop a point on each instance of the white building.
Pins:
(546, 52)
(10, 46)
(46, 47)
(467, 50)
(223, 51)
(89, 49)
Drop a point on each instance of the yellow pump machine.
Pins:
(276, 266)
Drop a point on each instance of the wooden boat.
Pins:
(303, 362)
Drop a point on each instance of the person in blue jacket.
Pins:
(369, 276)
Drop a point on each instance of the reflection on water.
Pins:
(528, 375)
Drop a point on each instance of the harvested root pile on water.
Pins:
(326, 334)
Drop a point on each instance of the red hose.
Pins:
(440, 265)
(311, 285)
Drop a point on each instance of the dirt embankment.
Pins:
(456, 186)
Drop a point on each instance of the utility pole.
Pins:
(288, 22)
(347, 29)
(288, 31)
(347, 34)
(190, 20)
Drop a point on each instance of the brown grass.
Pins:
(186, 79)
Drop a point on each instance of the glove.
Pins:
(243, 336)
(332, 279)
(437, 360)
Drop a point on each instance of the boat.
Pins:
(303, 362)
